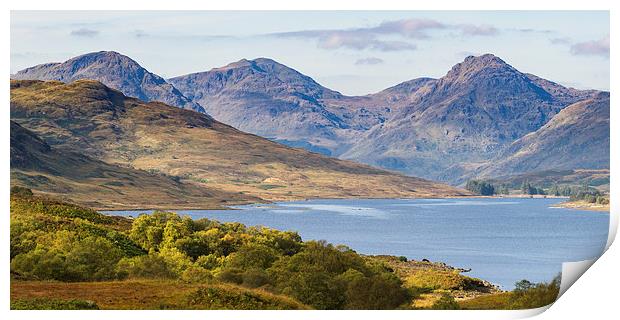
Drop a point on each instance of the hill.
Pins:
(105, 125)
(64, 173)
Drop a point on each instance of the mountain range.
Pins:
(476, 121)
(84, 135)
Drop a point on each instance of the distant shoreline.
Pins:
(583, 205)
(228, 206)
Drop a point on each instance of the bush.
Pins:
(92, 258)
(252, 256)
(221, 297)
(528, 296)
(150, 266)
(231, 275)
(328, 277)
(195, 274)
(254, 278)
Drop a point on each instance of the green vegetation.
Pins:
(222, 297)
(51, 240)
(526, 295)
(446, 302)
(52, 304)
(205, 264)
(527, 188)
(430, 280)
(480, 187)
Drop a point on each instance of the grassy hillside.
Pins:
(69, 174)
(105, 125)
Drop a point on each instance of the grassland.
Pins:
(153, 294)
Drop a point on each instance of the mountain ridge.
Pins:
(440, 129)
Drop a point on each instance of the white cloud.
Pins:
(373, 37)
(84, 32)
(369, 61)
(595, 47)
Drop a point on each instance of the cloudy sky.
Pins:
(352, 52)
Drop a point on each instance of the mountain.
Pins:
(442, 129)
(269, 99)
(114, 70)
(37, 165)
(194, 148)
(469, 116)
(577, 137)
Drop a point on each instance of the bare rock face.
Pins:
(114, 70)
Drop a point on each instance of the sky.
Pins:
(354, 52)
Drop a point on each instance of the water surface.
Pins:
(502, 240)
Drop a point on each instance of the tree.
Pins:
(480, 187)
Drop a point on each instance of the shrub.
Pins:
(252, 256)
(254, 278)
(92, 258)
(534, 295)
(222, 297)
(231, 275)
(147, 266)
(195, 274)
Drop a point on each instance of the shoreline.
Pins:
(241, 203)
(582, 205)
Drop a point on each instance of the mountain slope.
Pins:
(577, 137)
(114, 70)
(104, 124)
(470, 115)
(36, 165)
(269, 99)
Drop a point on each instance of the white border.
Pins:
(595, 294)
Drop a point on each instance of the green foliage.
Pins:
(328, 277)
(67, 259)
(446, 302)
(58, 241)
(527, 188)
(480, 187)
(150, 266)
(238, 298)
(252, 256)
(528, 295)
(52, 304)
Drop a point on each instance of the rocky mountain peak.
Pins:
(116, 71)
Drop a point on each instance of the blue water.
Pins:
(502, 240)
